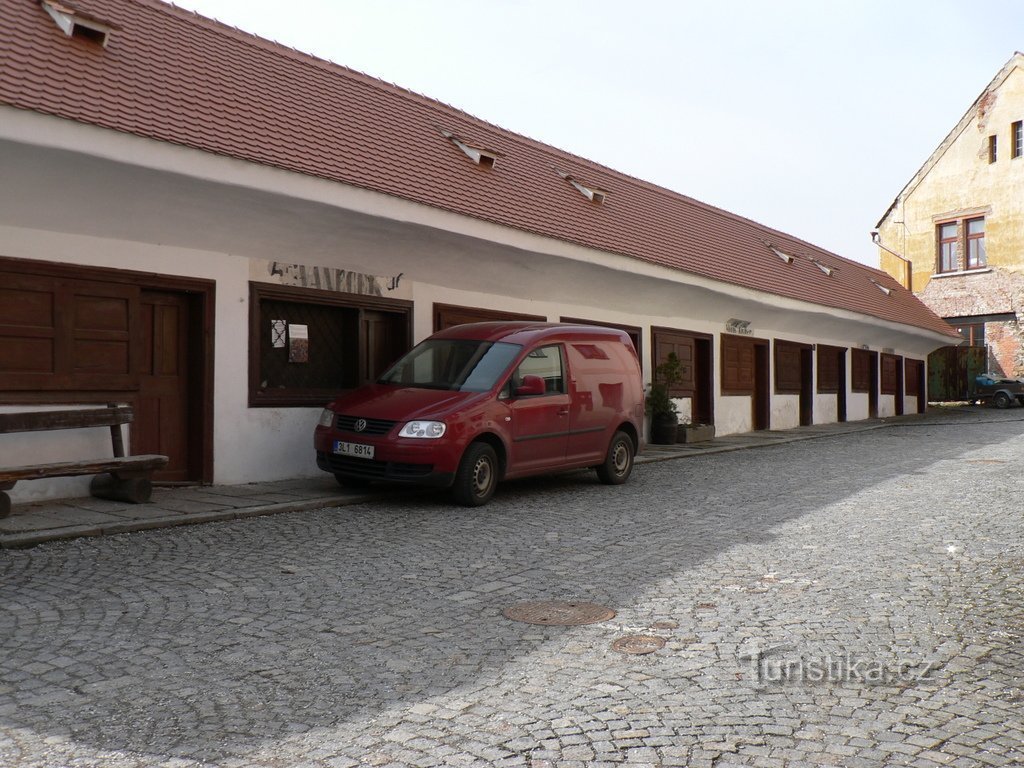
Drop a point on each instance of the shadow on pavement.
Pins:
(204, 642)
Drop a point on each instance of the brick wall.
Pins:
(992, 292)
(1005, 343)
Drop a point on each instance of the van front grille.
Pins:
(373, 426)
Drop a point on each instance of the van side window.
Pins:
(546, 362)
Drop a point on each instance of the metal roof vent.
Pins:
(593, 195)
(781, 254)
(75, 23)
(479, 156)
(882, 288)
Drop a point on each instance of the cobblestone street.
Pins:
(851, 601)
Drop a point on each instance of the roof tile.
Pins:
(171, 75)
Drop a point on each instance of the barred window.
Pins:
(306, 346)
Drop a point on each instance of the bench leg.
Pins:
(133, 489)
(5, 504)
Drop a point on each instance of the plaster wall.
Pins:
(962, 179)
(826, 409)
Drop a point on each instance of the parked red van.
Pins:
(483, 402)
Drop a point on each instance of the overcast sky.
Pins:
(805, 115)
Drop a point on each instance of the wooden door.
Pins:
(162, 412)
(385, 339)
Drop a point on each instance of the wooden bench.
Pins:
(120, 478)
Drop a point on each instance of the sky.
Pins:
(806, 116)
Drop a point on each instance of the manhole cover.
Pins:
(558, 613)
(637, 645)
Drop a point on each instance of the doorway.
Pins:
(900, 384)
(872, 385)
(806, 386)
(841, 390)
(171, 412)
(696, 359)
(385, 338)
(762, 400)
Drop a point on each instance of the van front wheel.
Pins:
(477, 476)
(618, 464)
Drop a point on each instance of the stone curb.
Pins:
(766, 444)
(32, 538)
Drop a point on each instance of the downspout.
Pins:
(908, 269)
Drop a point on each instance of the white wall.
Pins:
(253, 444)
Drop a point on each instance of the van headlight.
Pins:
(326, 418)
(430, 430)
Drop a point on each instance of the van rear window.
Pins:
(458, 364)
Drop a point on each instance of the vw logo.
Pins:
(360, 425)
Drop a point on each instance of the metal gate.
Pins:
(951, 372)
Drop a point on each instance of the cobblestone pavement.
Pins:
(851, 601)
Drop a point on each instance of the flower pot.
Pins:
(695, 433)
(664, 427)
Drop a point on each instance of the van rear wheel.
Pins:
(618, 464)
(477, 476)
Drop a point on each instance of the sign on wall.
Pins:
(331, 279)
(740, 327)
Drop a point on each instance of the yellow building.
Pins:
(955, 233)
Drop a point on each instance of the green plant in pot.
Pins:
(660, 407)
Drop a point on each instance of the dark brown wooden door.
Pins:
(385, 339)
(162, 412)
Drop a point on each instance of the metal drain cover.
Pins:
(637, 645)
(558, 613)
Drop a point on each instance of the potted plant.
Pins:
(662, 410)
(692, 432)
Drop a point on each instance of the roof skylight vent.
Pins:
(479, 156)
(781, 254)
(75, 23)
(823, 267)
(593, 195)
(882, 288)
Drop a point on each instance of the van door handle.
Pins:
(563, 412)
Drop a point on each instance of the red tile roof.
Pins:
(171, 75)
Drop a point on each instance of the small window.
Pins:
(949, 252)
(993, 148)
(74, 23)
(976, 257)
(308, 345)
(781, 254)
(1017, 138)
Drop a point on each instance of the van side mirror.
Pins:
(531, 385)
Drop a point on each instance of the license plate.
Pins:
(358, 450)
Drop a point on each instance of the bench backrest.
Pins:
(38, 421)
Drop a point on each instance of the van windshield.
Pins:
(460, 364)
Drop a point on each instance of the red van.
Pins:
(478, 403)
